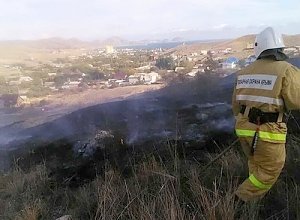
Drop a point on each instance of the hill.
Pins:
(49, 43)
(31, 52)
(102, 176)
(238, 44)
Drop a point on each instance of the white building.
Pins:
(109, 49)
(74, 84)
(230, 63)
(134, 79)
(227, 50)
(204, 52)
(25, 79)
(150, 78)
(52, 74)
(49, 84)
(193, 73)
(179, 69)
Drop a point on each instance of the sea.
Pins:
(165, 45)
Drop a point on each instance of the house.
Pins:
(227, 50)
(211, 52)
(52, 74)
(74, 84)
(250, 46)
(197, 66)
(25, 79)
(292, 51)
(150, 78)
(193, 73)
(179, 69)
(134, 79)
(201, 69)
(49, 84)
(109, 49)
(230, 63)
(204, 52)
(71, 85)
(122, 82)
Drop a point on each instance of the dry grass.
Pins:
(157, 189)
(22, 193)
(30, 212)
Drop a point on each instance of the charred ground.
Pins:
(77, 146)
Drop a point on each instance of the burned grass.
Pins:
(168, 183)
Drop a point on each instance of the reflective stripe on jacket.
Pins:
(272, 86)
(264, 135)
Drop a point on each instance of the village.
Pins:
(110, 67)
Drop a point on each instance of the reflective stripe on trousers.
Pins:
(257, 183)
(262, 135)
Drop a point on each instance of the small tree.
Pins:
(165, 63)
(95, 75)
(188, 66)
(210, 64)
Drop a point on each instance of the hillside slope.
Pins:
(238, 44)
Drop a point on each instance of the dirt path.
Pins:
(97, 96)
(68, 102)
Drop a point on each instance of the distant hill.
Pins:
(73, 43)
(292, 40)
(115, 41)
(44, 50)
(59, 43)
(236, 44)
(241, 42)
(50, 43)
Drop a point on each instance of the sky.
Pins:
(145, 19)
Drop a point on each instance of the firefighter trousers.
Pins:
(264, 166)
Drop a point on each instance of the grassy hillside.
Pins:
(168, 184)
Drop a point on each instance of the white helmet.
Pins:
(267, 39)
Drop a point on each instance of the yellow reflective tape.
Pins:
(272, 136)
(262, 135)
(244, 133)
(257, 183)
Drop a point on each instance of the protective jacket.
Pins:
(271, 86)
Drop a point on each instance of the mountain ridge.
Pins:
(237, 44)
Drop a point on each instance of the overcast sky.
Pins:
(145, 19)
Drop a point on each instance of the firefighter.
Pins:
(263, 93)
